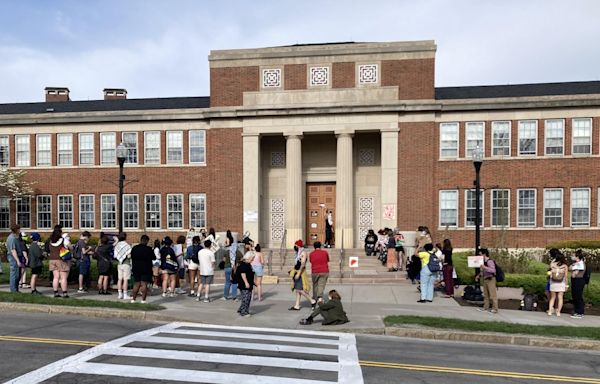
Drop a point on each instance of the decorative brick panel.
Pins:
(343, 75)
(295, 76)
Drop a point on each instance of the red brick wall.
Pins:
(295, 76)
(227, 85)
(343, 75)
(414, 77)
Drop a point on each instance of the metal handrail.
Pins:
(342, 252)
(282, 252)
(270, 262)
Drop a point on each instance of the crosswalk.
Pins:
(203, 353)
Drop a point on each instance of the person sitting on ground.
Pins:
(414, 269)
(332, 311)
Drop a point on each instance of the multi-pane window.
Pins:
(449, 140)
(527, 137)
(87, 211)
(130, 142)
(108, 211)
(22, 155)
(448, 208)
(65, 149)
(130, 211)
(553, 207)
(4, 212)
(526, 208)
(474, 133)
(582, 136)
(23, 205)
(197, 210)
(44, 212)
(500, 207)
(197, 147)
(43, 155)
(108, 144)
(470, 211)
(175, 211)
(4, 151)
(174, 147)
(580, 207)
(86, 149)
(501, 138)
(152, 211)
(152, 148)
(65, 211)
(554, 136)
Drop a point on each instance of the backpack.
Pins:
(558, 274)
(472, 293)
(587, 275)
(195, 250)
(76, 250)
(499, 273)
(434, 263)
(529, 302)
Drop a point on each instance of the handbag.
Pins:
(64, 253)
(222, 264)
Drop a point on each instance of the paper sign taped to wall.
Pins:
(250, 216)
(474, 261)
(389, 211)
(353, 261)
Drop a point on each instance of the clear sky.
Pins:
(159, 48)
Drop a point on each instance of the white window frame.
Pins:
(27, 159)
(589, 137)
(448, 191)
(88, 151)
(18, 212)
(126, 211)
(522, 125)
(38, 151)
(468, 150)
(147, 211)
(562, 207)
(179, 147)
(60, 151)
(6, 152)
(546, 137)
(519, 224)
(493, 209)
(147, 147)
(456, 127)
(169, 211)
(103, 149)
(191, 212)
(481, 207)
(131, 149)
(202, 146)
(60, 212)
(5, 201)
(81, 211)
(495, 126)
(39, 213)
(589, 201)
(102, 211)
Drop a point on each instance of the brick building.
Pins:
(291, 133)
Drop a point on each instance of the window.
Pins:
(130, 211)
(470, 212)
(108, 148)
(553, 207)
(65, 149)
(526, 208)
(175, 211)
(582, 136)
(44, 212)
(130, 142)
(197, 210)
(152, 148)
(23, 205)
(22, 151)
(197, 147)
(87, 211)
(449, 140)
(108, 211)
(174, 147)
(4, 212)
(86, 149)
(43, 156)
(580, 207)
(501, 138)
(65, 211)
(4, 151)
(528, 137)
(500, 207)
(152, 211)
(554, 136)
(474, 134)
(448, 208)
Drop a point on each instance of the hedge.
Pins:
(575, 244)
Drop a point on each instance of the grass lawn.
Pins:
(495, 326)
(28, 298)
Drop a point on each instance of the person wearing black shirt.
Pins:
(142, 257)
(448, 268)
(245, 283)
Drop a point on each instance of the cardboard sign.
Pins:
(474, 261)
(268, 279)
(353, 261)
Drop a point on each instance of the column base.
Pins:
(348, 238)
(294, 234)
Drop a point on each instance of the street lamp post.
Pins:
(122, 152)
(477, 156)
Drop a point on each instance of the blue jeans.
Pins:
(15, 274)
(229, 285)
(427, 279)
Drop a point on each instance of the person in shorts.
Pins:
(142, 257)
(168, 267)
(35, 262)
(102, 254)
(193, 262)
(207, 260)
(123, 256)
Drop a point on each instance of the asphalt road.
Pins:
(32, 341)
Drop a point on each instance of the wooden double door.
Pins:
(320, 200)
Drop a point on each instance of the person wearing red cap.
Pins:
(299, 280)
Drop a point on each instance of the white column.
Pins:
(344, 199)
(389, 178)
(252, 184)
(294, 212)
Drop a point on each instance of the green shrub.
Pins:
(575, 244)
(592, 256)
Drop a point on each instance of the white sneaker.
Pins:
(126, 296)
(143, 301)
(164, 294)
(132, 301)
(179, 291)
(171, 294)
(120, 295)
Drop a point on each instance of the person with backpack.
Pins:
(168, 267)
(558, 283)
(103, 255)
(488, 281)
(193, 263)
(35, 261)
(578, 272)
(430, 267)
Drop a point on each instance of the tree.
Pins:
(12, 183)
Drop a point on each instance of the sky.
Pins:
(160, 48)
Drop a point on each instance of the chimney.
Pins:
(115, 93)
(56, 94)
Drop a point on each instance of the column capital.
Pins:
(250, 134)
(339, 134)
(293, 136)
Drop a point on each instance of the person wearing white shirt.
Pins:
(206, 259)
(123, 256)
(578, 283)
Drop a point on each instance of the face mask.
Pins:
(573, 258)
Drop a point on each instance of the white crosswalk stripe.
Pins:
(216, 345)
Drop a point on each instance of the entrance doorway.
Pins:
(320, 200)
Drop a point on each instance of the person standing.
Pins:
(370, 242)
(24, 258)
(142, 257)
(60, 268)
(180, 275)
(82, 252)
(392, 256)
(328, 229)
(207, 260)
(193, 263)
(123, 256)
(157, 282)
(300, 284)
(169, 267)
(258, 267)
(102, 254)
(427, 276)
(558, 283)
(578, 283)
(35, 261)
(448, 268)
(319, 264)
(12, 249)
(399, 248)
(488, 281)
(246, 283)
(230, 262)
(423, 237)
